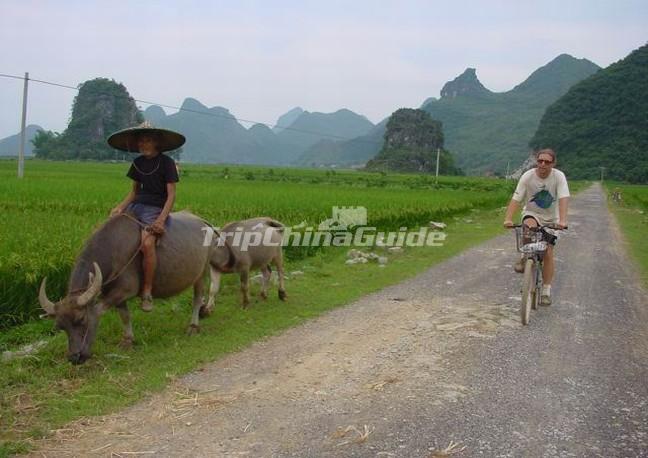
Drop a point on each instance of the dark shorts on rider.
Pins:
(549, 238)
(145, 214)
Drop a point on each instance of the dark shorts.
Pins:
(145, 214)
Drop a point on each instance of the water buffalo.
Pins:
(108, 272)
(244, 246)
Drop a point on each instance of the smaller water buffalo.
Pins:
(108, 272)
(243, 246)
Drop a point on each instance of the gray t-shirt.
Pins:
(540, 195)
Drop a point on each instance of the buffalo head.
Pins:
(77, 314)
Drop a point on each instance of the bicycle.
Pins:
(532, 245)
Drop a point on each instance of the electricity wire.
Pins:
(189, 110)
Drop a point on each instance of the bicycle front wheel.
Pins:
(527, 291)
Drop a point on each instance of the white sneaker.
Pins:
(545, 297)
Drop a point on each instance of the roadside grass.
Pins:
(43, 392)
(632, 215)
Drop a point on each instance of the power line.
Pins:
(207, 113)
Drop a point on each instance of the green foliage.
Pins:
(101, 107)
(602, 122)
(411, 141)
(44, 141)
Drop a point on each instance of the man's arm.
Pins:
(563, 205)
(127, 200)
(513, 206)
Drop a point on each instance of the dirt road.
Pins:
(435, 361)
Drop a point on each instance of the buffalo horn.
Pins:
(93, 289)
(45, 303)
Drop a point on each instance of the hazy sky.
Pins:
(261, 58)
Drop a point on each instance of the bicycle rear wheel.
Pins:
(527, 291)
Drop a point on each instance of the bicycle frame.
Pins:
(530, 242)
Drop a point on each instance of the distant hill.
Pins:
(602, 122)
(286, 119)
(215, 136)
(484, 129)
(310, 128)
(345, 153)
(154, 114)
(10, 146)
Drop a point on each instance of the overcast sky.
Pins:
(261, 58)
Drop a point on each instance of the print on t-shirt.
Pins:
(543, 198)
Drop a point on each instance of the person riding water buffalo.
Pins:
(151, 198)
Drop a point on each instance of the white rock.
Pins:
(395, 248)
(296, 273)
(353, 254)
(382, 260)
(435, 225)
(25, 350)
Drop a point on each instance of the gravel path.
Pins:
(432, 362)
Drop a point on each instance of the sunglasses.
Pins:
(544, 161)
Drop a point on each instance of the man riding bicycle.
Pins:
(540, 188)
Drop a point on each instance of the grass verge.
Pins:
(42, 392)
(632, 216)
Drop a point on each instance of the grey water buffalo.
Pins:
(244, 246)
(108, 272)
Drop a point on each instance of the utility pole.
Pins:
(436, 180)
(508, 166)
(602, 170)
(21, 154)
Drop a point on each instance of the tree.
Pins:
(411, 142)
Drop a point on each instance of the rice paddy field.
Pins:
(48, 214)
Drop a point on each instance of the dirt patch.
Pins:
(331, 380)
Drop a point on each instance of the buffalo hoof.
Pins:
(126, 343)
(245, 304)
(263, 295)
(205, 311)
(193, 329)
(282, 294)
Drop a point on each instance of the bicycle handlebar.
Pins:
(537, 228)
